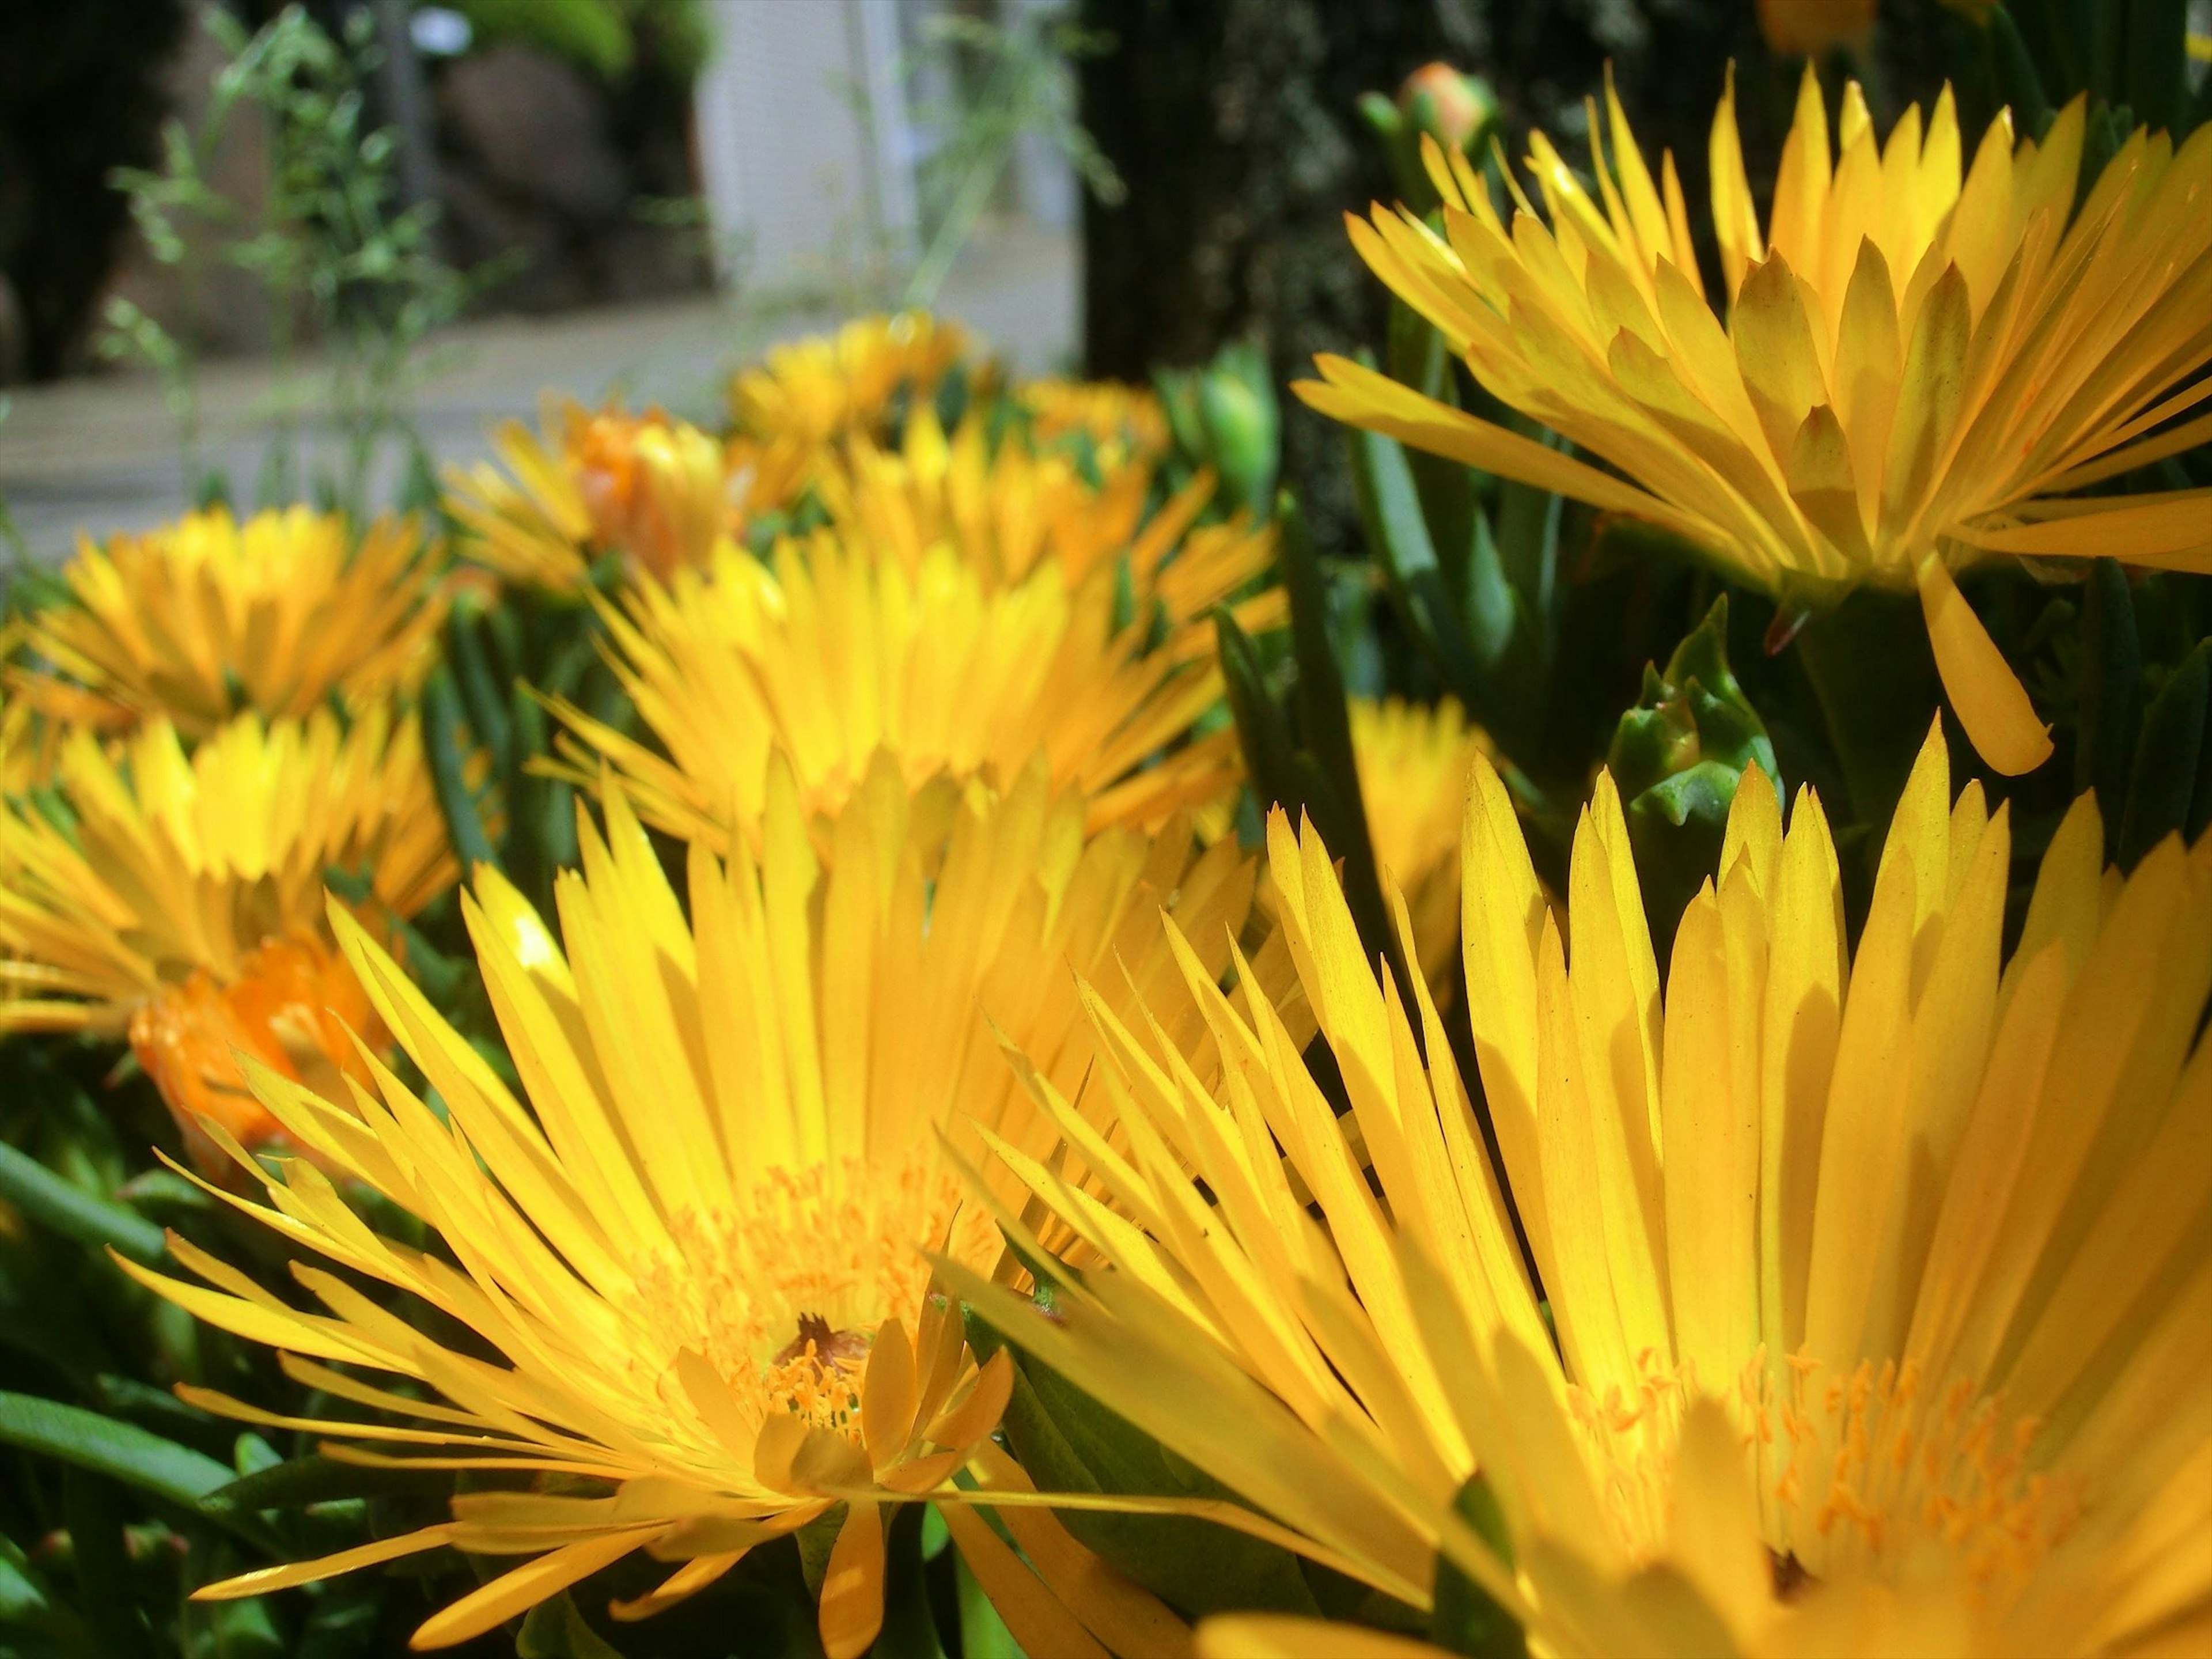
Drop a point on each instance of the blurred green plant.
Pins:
(1011, 81)
(346, 269)
(603, 36)
(2130, 56)
(1459, 111)
(1226, 416)
(1677, 757)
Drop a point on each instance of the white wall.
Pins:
(802, 186)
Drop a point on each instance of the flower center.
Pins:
(783, 1292)
(1855, 1472)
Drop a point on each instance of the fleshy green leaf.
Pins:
(2164, 778)
(1465, 1619)
(122, 1451)
(68, 1210)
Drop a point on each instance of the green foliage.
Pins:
(1459, 112)
(1465, 1617)
(1677, 757)
(1297, 742)
(1016, 81)
(603, 36)
(1225, 416)
(344, 267)
(1068, 1442)
(2128, 56)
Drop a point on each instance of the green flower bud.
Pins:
(1676, 758)
(1237, 415)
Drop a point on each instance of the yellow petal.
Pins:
(511, 1593)
(853, 1585)
(1992, 702)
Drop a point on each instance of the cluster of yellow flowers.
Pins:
(937, 740)
(1807, 1300)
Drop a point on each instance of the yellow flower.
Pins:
(698, 1250)
(208, 616)
(824, 387)
(653, 489)
(27, 743)
(1415, 762)
(832, 652)
(1010, 511)
(177, 866)
(1917, 366)
(1124, 422)
(1881, 1289)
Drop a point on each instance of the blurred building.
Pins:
(815, 122)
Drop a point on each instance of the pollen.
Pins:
(1860, 1471)
(783, 1292)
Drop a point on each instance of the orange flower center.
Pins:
(1855, 1473)
(782, 1293)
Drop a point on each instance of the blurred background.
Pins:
(237, 237)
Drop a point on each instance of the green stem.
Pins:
(1874, 679)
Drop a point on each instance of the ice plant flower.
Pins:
(1009, 511)
(185, 904)
(1909, 371)
(1122, 423)
(209, 616)
(654, 489)
(1416, 761)
(825, 387)
(177, 864)
(832, 652)
(1879, 1279)
(696, 1249)
(27, 744)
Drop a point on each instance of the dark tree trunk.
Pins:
(80, 94)
(1234, 123)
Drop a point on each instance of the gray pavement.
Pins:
(100, 454)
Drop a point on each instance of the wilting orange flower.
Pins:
(208, 616)
(656, 490)
(175, 863)
(290, 1006)
(1810, 26)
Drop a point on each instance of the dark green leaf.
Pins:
(2111, 693)
(1467, 1620)
(1269, 751)
(313, 1478)
(94, 1513)
(1397, 530)
(443, 733)
(983, 1634)
(68, 1210)
(28, 1606)
(1068, 1442)
(2014, 69)
(555, 1630)
(481, 699)
(86, 1440)
(2163, 780)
